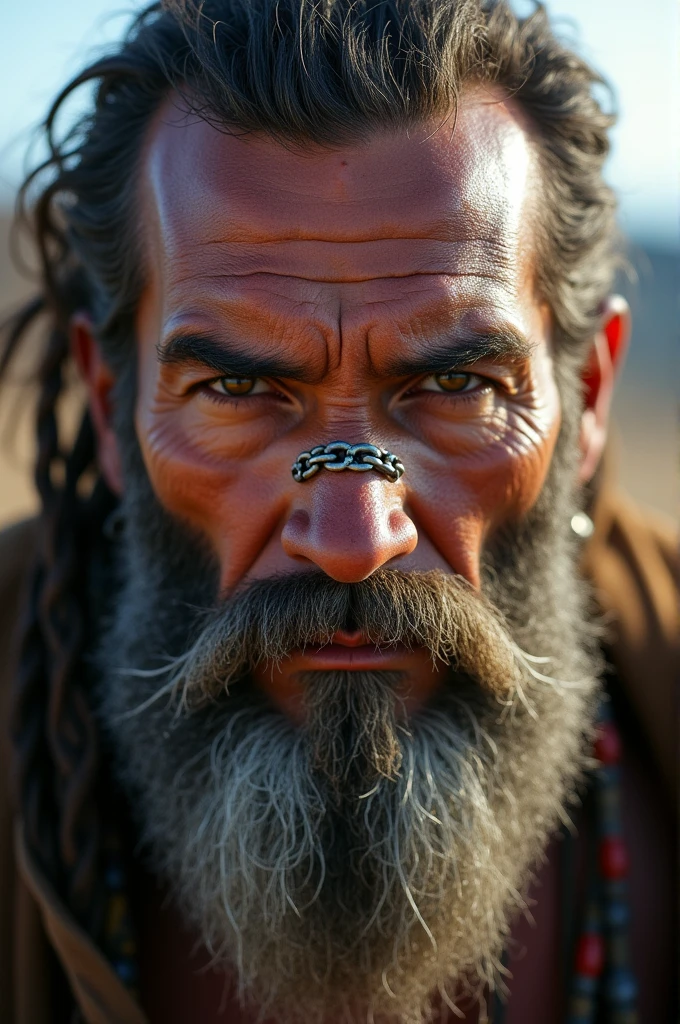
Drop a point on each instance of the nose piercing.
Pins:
(339, 455)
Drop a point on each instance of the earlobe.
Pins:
(599, 375)
(99, 381)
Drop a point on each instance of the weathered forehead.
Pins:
(437, 195)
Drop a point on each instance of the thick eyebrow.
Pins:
(506, 345)
(227, 360)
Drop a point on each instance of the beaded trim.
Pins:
(601, 967)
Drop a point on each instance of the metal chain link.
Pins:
(339, 455)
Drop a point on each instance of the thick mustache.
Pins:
(271, 618)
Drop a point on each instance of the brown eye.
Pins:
(235, 385)
(453, 381)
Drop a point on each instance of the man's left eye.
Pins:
(451, 382)
(234, 387)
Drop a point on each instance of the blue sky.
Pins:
(635, 45)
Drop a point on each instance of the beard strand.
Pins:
(369, 903)
(356, 862)
(355, 866)
(352, 730)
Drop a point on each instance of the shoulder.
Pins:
(633, 561)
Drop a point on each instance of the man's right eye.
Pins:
(235, 386)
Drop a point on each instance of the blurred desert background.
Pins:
(636, 49)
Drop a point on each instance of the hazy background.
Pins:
(634, 46)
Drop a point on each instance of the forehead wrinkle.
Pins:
(325, 318)
(369, 261)
(430, 321)
(280, 320)
(340, 281)
(473, 230)
(179, 238)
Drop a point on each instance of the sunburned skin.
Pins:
(339, 284)
(344, 281)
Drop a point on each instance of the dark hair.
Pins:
(325, 72)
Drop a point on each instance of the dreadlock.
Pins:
(325, 72)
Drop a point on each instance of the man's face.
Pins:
(381, 292)
(349, 824)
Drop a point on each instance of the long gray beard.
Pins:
(370, 904)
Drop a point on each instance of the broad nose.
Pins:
(348, 524)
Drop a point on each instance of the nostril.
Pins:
(296, 536)
(299, 520)
(402, 528)
(397, 520)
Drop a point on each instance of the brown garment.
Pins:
(633, 563)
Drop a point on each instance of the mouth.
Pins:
(349, 651)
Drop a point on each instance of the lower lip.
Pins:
(337, 656)
(284, 682)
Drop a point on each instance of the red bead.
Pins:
(613, 858)
(607, 743)
(590, 955)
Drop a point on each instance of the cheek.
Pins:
(206, 474)
(509, 475)
(489, 471)
(506, 473)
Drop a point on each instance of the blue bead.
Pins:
(126, 971)
(609, 775)
(584, 984)
(620, 988)
(618, 915)
(114, 877)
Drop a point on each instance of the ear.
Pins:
(99, 381)
(599, 374)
